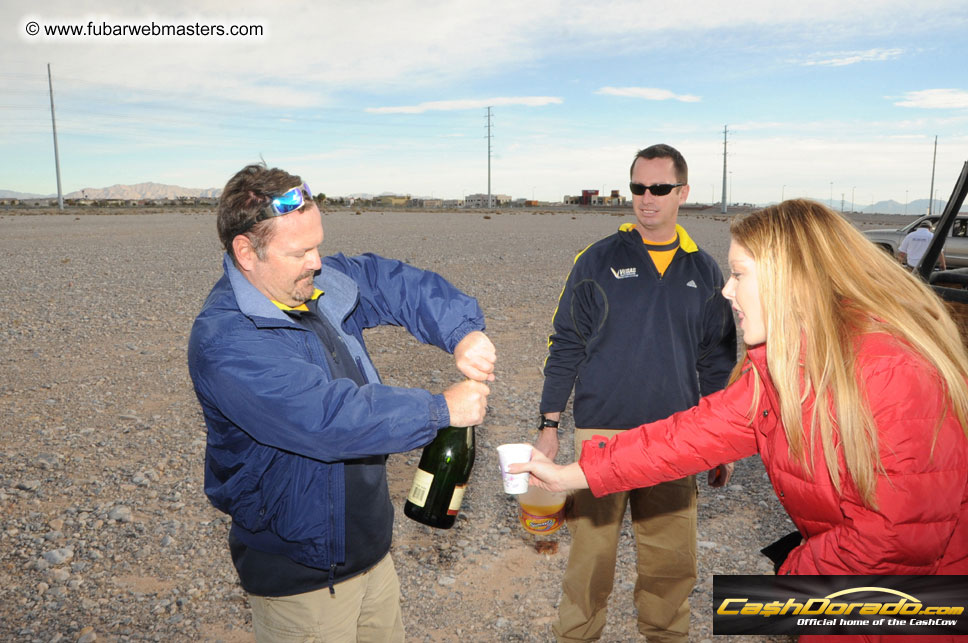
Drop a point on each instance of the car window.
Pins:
(959, 228)
(911, 227)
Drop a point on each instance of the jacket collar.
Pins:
(685, 241)
(252, 303)
(757, 355)
(341, 294)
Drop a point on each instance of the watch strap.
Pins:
(546, 423)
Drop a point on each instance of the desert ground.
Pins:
(106, 534)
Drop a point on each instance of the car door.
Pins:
(956, 246)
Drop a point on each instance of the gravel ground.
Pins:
(106, 534)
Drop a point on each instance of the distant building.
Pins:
(480, 200)
(525, 203)
(390, 201)
(612, 200)
(591, 198)
(425, 203)
(453, 203)
(615, 199)
(37, 203)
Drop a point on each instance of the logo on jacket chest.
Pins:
(625, 273)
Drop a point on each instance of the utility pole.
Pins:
(53, 123)
(725, 130)
(931, 193)
(490, 200)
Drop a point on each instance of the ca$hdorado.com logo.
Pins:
(904, 605)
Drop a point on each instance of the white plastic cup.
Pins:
(508, 454)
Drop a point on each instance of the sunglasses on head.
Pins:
(659, 189)
(288, 201)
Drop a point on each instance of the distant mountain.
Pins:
(142, 191)
(11, 194)
(916, 207)
(137, 191)
(367, 195)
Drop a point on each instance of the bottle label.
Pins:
(421, 487)
(456, 499)
(541, 520)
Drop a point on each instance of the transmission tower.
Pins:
(933, 163)
(490, 201)
(53, 122)
(725, 130)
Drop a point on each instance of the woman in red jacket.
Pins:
(852, 390)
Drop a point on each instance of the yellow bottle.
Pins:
(542, 512)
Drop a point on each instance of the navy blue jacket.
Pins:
(280, 427)
(637, 347)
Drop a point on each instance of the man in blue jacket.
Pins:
(299, 424)
(641, 331)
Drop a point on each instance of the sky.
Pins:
(832, 100)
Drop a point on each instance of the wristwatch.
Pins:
(545, 423)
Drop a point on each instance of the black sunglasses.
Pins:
(659, 189)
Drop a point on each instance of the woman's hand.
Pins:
(550, 476)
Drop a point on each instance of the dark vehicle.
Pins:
(955, 246)
(952, 284)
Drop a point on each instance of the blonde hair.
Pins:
(821, 285)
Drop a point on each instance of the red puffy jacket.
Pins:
(921, 523)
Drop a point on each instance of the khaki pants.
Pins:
(365, 608)
(664, 522)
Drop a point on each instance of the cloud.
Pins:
(844, 58)
(415, 44)
(469, 103)
(648, 93)
(935, 99)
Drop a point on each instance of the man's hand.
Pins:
(475, 356)
(547, 441)
(467, 402)
(719, 476)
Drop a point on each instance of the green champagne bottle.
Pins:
(441, 478)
